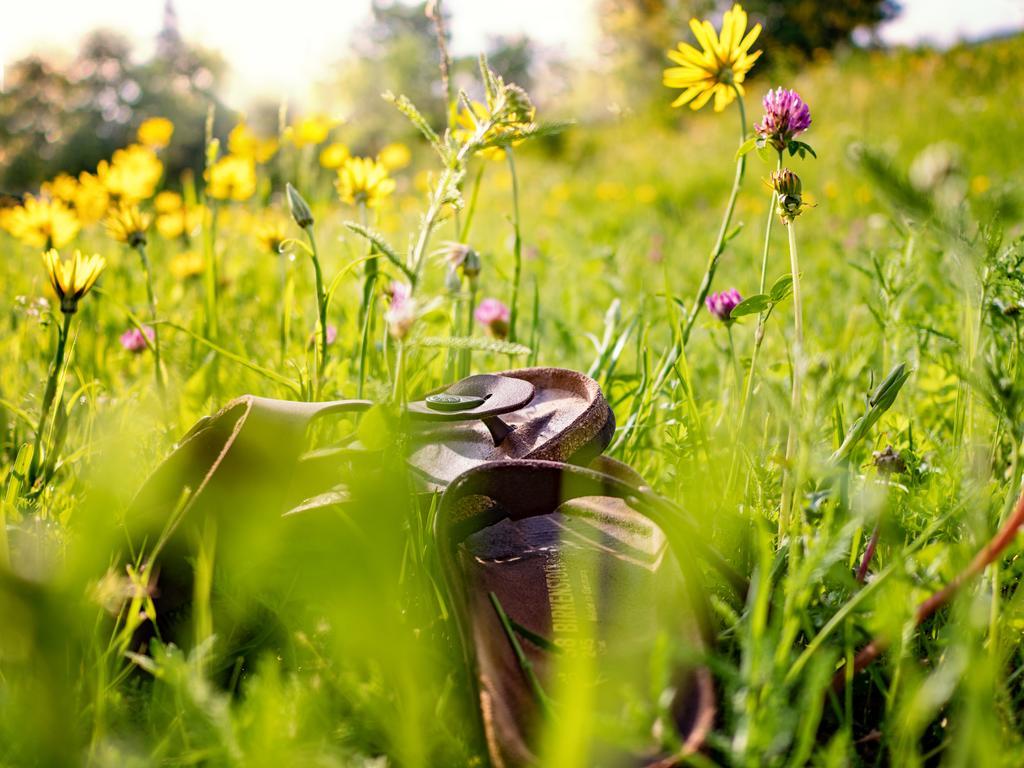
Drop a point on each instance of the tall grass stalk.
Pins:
(723, 230)
(151, 298)
(790, 476)
(517, 248)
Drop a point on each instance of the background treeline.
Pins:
(67, 117)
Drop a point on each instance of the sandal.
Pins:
(246, 466)
(546, 562)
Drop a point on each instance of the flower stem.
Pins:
(49, 394)
(723, 231)
(151, 297)
(321, 303)
(789, 476)
(365, 309)
(762, 318)
(466, 360)
(517, 248)
(283, 330)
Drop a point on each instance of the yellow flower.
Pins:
(62, 187)
(309, 130)
(128, 225)
(156, 132)
(233, 177)
(333, 155)
(73, 278)
(363, 180)
(719, 68)
(244, 142)
(91, 198)
(132, 173)
(271, 234)
(42, 223)
(395, 156)
(187, 264)
(980, 184)
(183, 220)
(167, 201)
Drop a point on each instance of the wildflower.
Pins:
(233, 177)
(722, 304)
(173, 217)
(244, 142)
(363, 181)
(42, 223)
(889, 461)
(786, 116)
(132, 173)
(332, 335)
(91, 200)
(128, 225)
(310, 130)
(333, 155)
(401, 310)
(134, 341)
(788, 187)
(187, 264)
(720, 67)
(463, 258)
(73, 278)
(271, 235)
(298, 207)
(155, 132)
(62, 187)
(395, 156)
(167, 201)
(493, 315)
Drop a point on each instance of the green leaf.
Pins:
(476, 343)
(880, 401)
(266, 372)
(803, 148)
(751, 305)
(376, 430)
(766, 153)
(781, 288)
(746, 147)
(531, 131)
(381, 245)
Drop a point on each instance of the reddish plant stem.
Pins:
(985, 557)
(869, 552)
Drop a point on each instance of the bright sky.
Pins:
(276, 47)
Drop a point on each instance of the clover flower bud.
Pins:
(494, 315)
(722, 304)
(788, 187)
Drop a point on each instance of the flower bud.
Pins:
(722, 304)
(299, 208)
(790, 191)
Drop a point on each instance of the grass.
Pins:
(343, 631)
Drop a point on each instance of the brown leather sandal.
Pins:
(544, 559)
(247, 465)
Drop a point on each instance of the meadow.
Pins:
(866, 502)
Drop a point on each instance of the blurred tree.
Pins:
(397, 51)
(804, 27)
(55, 119)
(634, 37)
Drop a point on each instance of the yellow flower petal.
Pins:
(701, 100)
